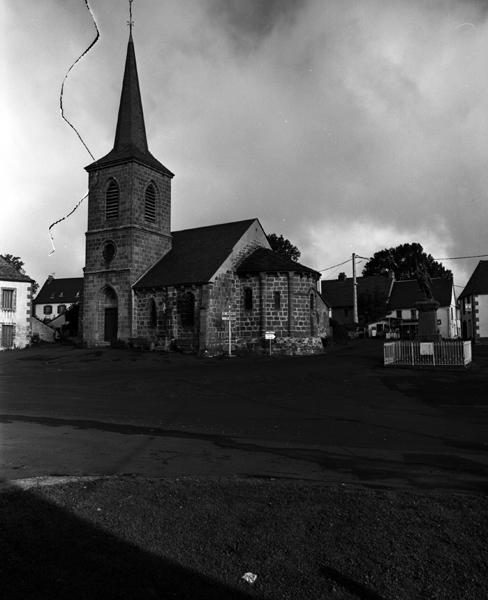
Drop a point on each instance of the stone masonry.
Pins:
(138, 243)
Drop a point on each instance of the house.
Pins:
(56, 296)
(15, 307)
(387, 306)
(403, 315)
(143, 281)
(372, 295)
(473, 302)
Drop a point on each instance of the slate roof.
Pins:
(62, 291)
(478, 282)
(265, 260)
(407, 292)
(10, 273)
(130, 135)
(339, 293)
(195, 256)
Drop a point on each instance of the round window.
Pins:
(108, 252)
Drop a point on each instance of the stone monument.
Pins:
(427, 329)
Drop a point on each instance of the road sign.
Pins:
(269, 335)
(229, 315)
(426, 348)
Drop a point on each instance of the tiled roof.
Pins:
(10, 273)
(130, 135)
(407, 292)
(338, 293)
(478, 282)
(64, 291)
(265, 260)
(196, 254)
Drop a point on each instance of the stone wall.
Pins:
(95, 300)
(178, 318)
(298, 331)
(138, 243)
(132, 179)
(43, 331)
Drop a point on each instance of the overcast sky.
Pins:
(347, 126)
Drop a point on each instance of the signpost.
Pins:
(229, 316)
(269, 335)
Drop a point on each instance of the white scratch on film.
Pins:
(68, 72)
(69, 123)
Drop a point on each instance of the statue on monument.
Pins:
(427, 307)
(424, 281)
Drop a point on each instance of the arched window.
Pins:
(112, 200)
(108, 252)
(186, 309)
(312, 301)
(150, 204)
(277, 300)
(153, 314)
(247, 298)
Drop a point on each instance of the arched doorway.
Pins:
(110, 314)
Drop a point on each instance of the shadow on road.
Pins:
(47, 552)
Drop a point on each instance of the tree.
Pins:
(18, 264)
(371, 306)
(405, 260)
(283, 246)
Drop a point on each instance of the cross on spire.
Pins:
(130, 22)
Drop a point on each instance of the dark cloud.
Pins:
(347, 126)
(248, 22)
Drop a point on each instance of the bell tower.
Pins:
(129, 219)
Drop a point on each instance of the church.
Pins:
(181, 289)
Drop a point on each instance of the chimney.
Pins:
(342, 277)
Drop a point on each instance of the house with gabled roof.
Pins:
(372, 294)
(403, 313)
(398, 299)
(473, 303)
(15, 307)
(144, 281)
(56, 296)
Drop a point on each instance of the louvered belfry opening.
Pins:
(150, 204)
(112, 201)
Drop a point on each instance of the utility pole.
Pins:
(354, 290)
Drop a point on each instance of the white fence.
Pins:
(427, 354)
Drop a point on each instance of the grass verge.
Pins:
(132, 537)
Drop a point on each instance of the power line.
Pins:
(334, 266)
(369, 258)
(461, 257)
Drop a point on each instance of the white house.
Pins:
(15, 307)
(403, 313)
(56, 296)
(473, 302)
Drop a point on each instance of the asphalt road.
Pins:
(337, 417)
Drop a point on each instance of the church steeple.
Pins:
(129, 220)
(131, 130)
(130, 134)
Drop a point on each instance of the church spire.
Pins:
(131, 130)
(130, 134)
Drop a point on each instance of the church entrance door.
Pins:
(109, 312)
(111, 323)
